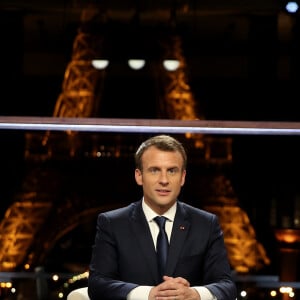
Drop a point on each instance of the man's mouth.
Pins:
(163, 192)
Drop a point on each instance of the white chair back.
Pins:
(78, 294)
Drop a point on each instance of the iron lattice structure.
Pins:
(42, 200)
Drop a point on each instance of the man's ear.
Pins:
(138, 176)
(183, 177)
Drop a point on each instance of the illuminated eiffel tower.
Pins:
(42, 213)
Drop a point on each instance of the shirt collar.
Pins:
(150, 214)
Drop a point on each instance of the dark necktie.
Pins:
(162, 245)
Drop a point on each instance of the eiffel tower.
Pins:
(64, 186)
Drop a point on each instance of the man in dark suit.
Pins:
(125, 260)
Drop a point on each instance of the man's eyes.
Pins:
(170, 171)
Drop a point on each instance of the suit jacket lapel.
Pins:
(180, 230)
(142, 233)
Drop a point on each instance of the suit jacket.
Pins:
(124, 257)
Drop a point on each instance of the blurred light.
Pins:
(286, 289)
(55, 277)
(13, 290)
(136, 64)
(60, 295)
(26, 266)
(291, 294)
(83, 275)
(171, 64)
(243, 294)
(289, 236)
(273, 293)
(100, 64)
(292, 7)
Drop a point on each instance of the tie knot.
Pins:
(160, 220)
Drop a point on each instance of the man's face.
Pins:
(162, 177)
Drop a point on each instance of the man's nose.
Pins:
(164, 178)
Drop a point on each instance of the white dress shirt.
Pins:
(142, 292)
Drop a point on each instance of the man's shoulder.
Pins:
(122, 211)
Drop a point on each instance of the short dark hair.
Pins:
(161, 142)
